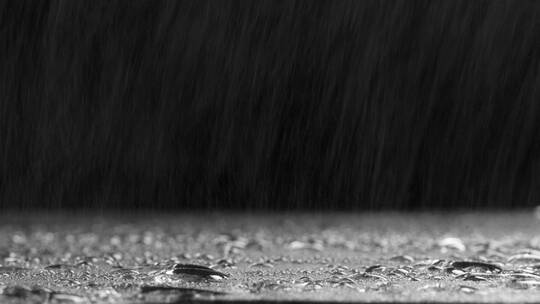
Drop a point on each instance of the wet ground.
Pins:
(163, 258)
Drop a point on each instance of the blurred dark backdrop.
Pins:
(269, 104)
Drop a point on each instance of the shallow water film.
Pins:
(162, 258)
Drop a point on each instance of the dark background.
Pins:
(269, 104)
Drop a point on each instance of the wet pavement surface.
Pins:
(168, 258)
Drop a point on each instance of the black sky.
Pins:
(269, 104)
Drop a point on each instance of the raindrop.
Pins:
(451, 243)
(524, 258)
(402, 259)
(472, 264)
(192, 272)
